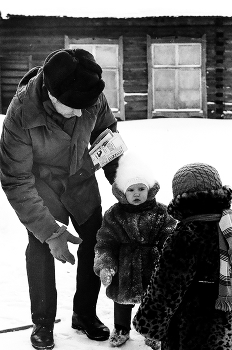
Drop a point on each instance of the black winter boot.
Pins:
(42, 337)
(91, 326)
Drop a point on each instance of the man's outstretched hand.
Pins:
(59, 246)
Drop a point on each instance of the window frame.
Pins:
(175, 113)
(120, 113)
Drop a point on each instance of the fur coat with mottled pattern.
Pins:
(130, 242)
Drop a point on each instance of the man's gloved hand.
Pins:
(106, 276)
(58, 244)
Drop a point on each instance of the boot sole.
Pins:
(43, 347)
(101, 338)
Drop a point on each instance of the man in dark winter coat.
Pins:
(48, 177)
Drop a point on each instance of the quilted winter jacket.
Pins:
(45, 173)
(178, 307)
(130, 241)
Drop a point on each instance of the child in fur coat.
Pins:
(130, 241)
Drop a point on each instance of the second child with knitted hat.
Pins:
(188, 303)
(130, 240)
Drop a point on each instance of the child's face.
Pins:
(136, 194)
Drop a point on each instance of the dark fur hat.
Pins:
(73, 77)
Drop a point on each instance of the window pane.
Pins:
(112, 98)
(189, 55)
(106, 55)
(164, 79)
(189, 78)
(164, 88)
(110, 79)
(189, 88)
(164, 54)
(189, 99)
(164, 100)
(111, 88)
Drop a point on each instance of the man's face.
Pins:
(137, 194)
(65, 111)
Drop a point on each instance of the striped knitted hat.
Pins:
(195, 177)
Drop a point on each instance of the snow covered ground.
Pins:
(167, 144)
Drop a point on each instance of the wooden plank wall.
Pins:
(26, 41)
(12, 70)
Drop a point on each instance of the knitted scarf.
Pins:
(224, 300)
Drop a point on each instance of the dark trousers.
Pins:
(41, 274)
(122, 315)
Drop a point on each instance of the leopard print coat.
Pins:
(177, 308)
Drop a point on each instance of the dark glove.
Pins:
(59, 246)
(110, 170)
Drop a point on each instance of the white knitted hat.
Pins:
(132, 170)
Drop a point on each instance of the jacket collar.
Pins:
(148, 205)
(31, 96)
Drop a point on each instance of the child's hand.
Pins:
(106, 276)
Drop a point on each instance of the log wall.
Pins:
(26, 41)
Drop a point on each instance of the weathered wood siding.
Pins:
(26, 41)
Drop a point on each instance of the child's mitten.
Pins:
(106, 276)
